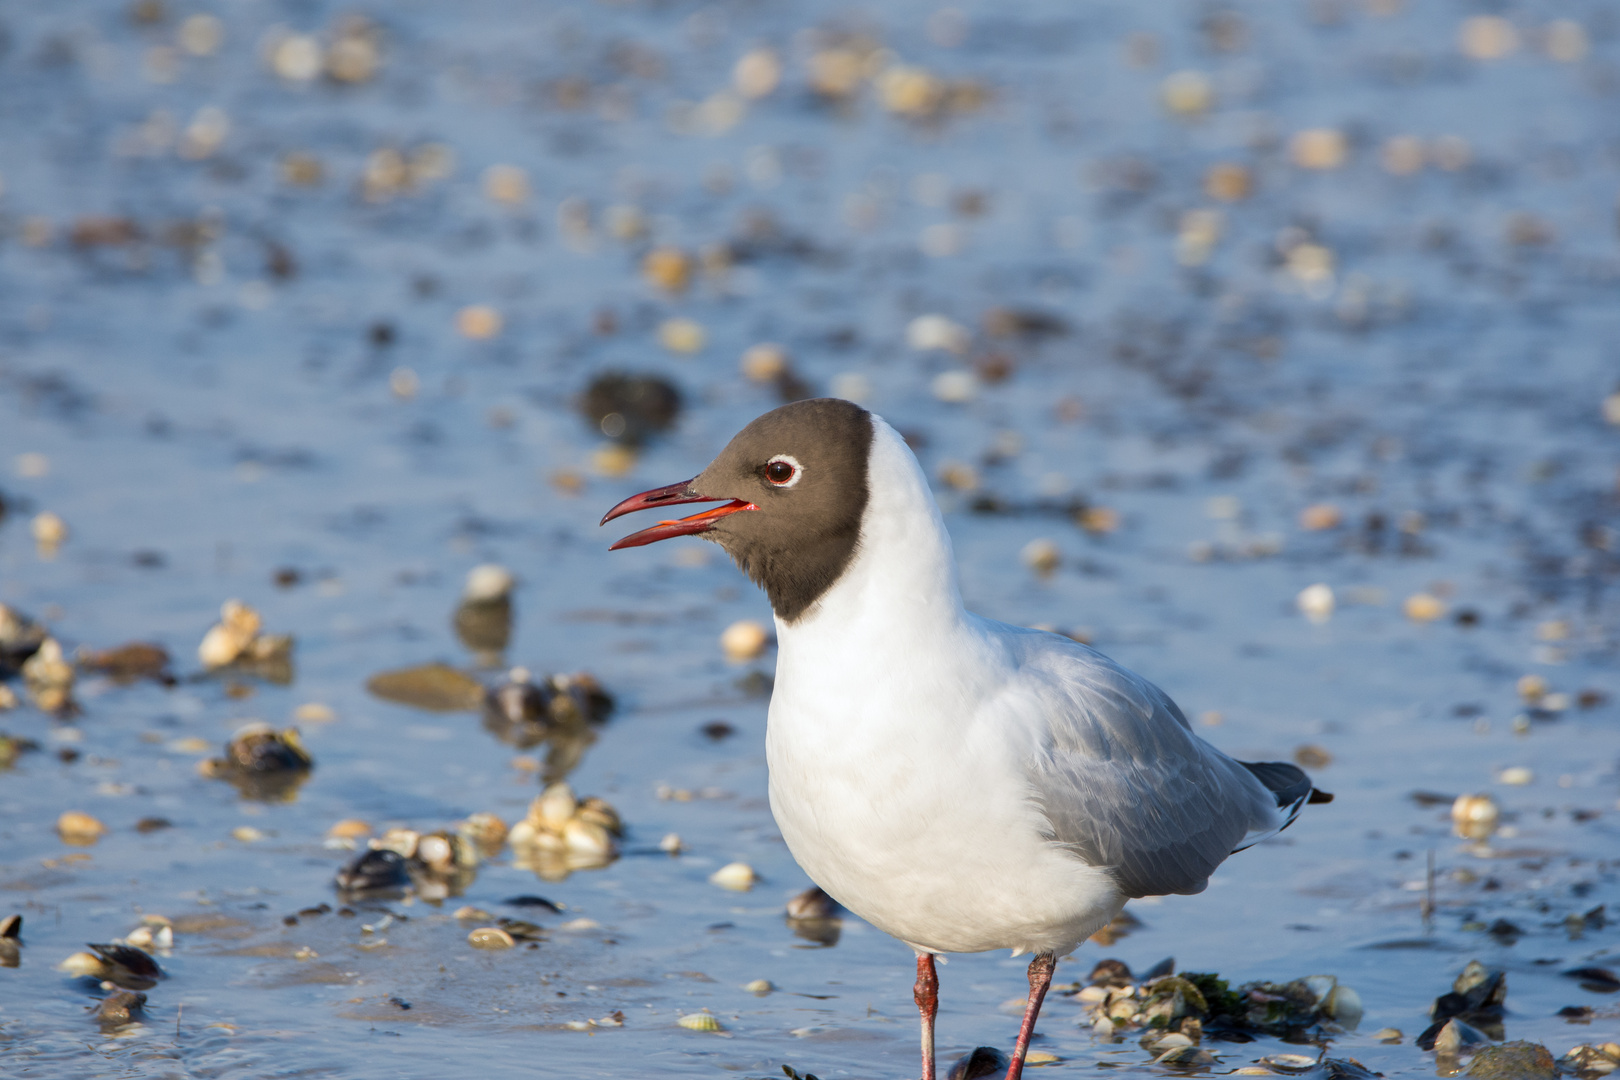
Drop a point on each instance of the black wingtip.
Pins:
(1319, 796)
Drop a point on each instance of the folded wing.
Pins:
(1125, 784)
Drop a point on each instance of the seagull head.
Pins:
(792, 488)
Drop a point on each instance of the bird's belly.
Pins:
(921, 847)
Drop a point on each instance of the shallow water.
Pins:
(207, 422)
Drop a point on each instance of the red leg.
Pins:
(1040, 977)
(926, 993)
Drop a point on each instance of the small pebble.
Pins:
(671, 844)
(759, 987)
(1516, 776)
(247, 834)
(1389, 1035)
(349, 829)
(737, 876)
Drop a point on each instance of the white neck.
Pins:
(902, 580)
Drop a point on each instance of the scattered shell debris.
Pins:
(562, 833)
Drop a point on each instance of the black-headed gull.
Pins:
(959, 783)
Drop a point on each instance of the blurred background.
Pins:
(1270, 348)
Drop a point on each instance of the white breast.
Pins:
(896, 779)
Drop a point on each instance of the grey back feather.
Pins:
(1122, 780)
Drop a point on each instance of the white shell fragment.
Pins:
(737, 876)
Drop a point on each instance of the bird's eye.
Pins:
(779, 472)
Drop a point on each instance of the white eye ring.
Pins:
(798, 471)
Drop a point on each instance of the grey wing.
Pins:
(1123, 781)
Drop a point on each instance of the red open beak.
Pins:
(670, 496)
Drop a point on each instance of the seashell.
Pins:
(247, 834)
(682, 335)
(151, 937)
(1042, 556)
(238, 625)
(587, 838)
(737, 876)
(468, 913)
(1423, 607)
(671, 844)
(1320, 517)
(435, 852)
(744, 640)
(399, 840)
(599, 812)
(49, 677)
(138, 659)
(490, 937)
(764, 363)
(1474, 816)
(1389, 1035)
(50, 531)
(1344, 1005)
(1289, 1064)
(522, 834)
(85, 965)
(485, 830)
(1517, 776)
(1320, 986)
(128, 966)
(759, 987)
(813, 903)
(76, 827)
(349, 829)
(554, 807)
(1186, 1055)
(116, 1010)
(700, 1021)
(1315, 602)
(377, 872)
